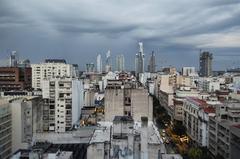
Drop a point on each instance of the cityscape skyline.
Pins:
(68, 30)
(106, 79)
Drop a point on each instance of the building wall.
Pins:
(141, 103)
(77, 100)
(27, 119)
(113, 103)
(96, 151)
(5, 129)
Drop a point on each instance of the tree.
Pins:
(195, 153)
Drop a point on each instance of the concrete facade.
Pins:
(5, 129)
(134, 102)
(27, 119)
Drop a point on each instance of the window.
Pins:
(68, 106)
(61, 95)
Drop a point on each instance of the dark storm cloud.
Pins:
(91, 28)
(83, 28)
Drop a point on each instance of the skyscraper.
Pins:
(13, 59)
(90, 67)
(108, 66)
(151, 65)
(120, 63)
(205, 63)
(99, 63)
(139, 60)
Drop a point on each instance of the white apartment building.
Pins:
(63, 100)
(196, 117)
(5, 129)
(50, 69)
(209, 84)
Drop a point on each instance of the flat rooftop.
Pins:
(82, 135)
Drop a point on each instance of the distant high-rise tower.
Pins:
(139, 60)
(99, 63)
(108, 66)
(151, 65)
(13, 59)
(90, 67)
(120, 63)
(205, 63)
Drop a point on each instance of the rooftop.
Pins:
(197, 101)
(123, 118)
(102, 134)
(209, 110)
(55, 61)
(237, 126)
(202, 104)
(235, 129)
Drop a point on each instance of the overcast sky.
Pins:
(78, 30)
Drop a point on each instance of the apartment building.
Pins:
(209, 84)
(15, 78)
(63, 100)
(51, 68)
(5, 129)
(178, 100)
(125, 99)
(227, 115)
(196, 117)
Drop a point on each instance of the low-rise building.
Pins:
(15, 78)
